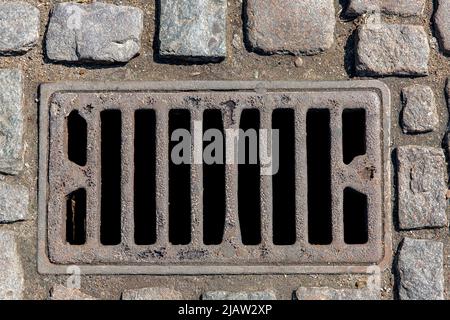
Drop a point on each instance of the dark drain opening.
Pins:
(284, 222)
(353, 134)
(144, 177)
(179, 177)
(319, 176)
(213, 178)
(76, 138)
(249, 178)
(111, 138)
(76, 217)
(355, 217)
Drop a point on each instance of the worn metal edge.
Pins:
(47, 89)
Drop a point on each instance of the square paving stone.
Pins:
(19, 27)
(193, 30)
(420, 269)
(151, 294)
(290, 27)
(225, 295)
(422, 186)
(404, 8)
(442, 22)
(11, 121)
(13, 202)
(419, 113)
(392, 49)
(60, 292)
(324, 293)
(94, 32)
(11, 272)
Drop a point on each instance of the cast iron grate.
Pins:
(111, 201)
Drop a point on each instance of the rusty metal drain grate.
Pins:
(111, 201)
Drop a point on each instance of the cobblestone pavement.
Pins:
(405, 44)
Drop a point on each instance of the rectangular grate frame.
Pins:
(59, 177)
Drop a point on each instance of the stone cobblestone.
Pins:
(420, 112)
(392, 49)
(19, 27)
(193, 30)
(224, 295)
(422, 186)
(60, 292)
(442, 22)
(152, 294)
(405, 8)
(11, 121)
(13, 203)
(324, 293)
(290, 27)
(11, 272)
(94, 32)
(420, 269)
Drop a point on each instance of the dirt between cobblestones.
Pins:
(334, 64)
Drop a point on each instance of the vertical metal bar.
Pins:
(58, 133)
(301, 176)
(197, 177)
(232, 228)
(127, 176)
(94, 189)
(374, 198)
(337, 208)
(266, 178)
(162, 176)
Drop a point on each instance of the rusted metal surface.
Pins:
(58, 177)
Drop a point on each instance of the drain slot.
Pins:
(319, 176)
(284, 222)
(76, 217)
(213, 177)
(179, 177)
(353, 134)
(145, 177)
(76, 138)
(355, 217)
(249, 178)
(111, 127)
